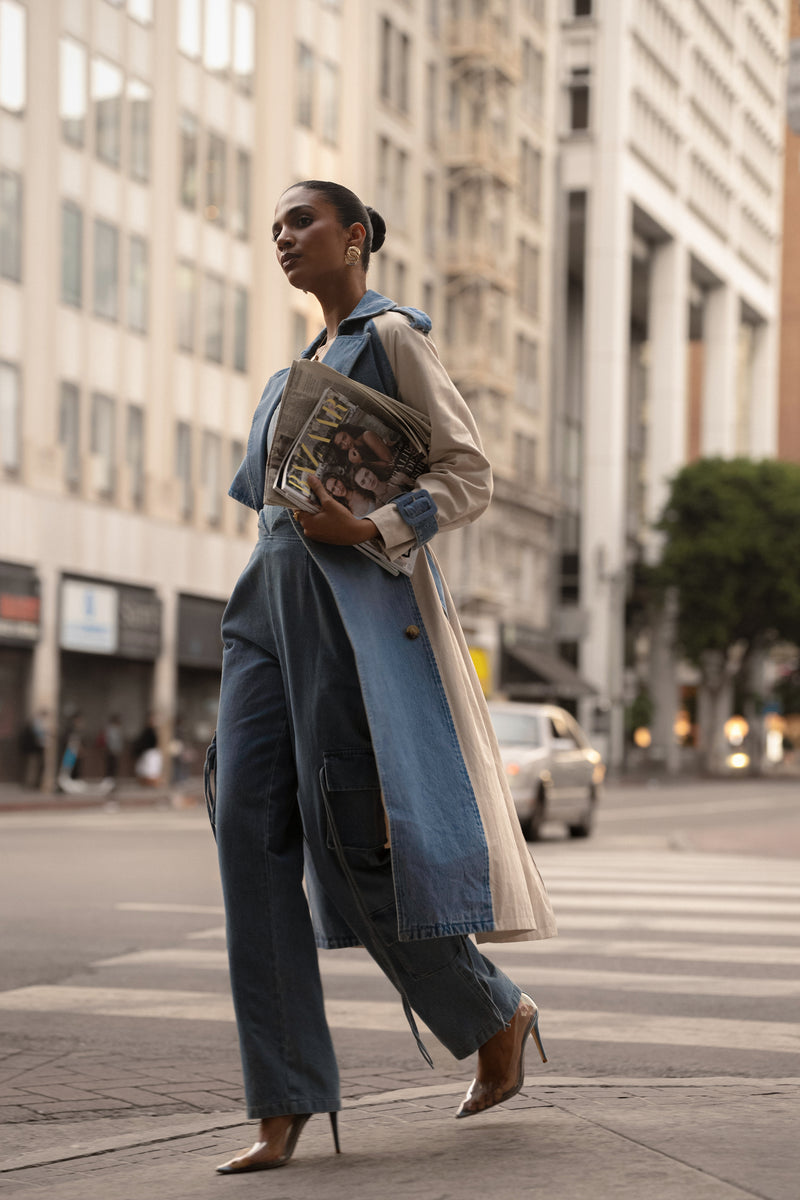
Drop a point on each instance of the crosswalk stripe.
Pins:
(387, 1016)
(675, 812)
(214, 910)
(540, 975)
(740, 926)
(704, 904)
(758, 955)
(580, 885)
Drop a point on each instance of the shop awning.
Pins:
(533, 673)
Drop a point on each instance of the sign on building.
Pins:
(88, 617)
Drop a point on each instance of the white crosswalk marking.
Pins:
(635, 926)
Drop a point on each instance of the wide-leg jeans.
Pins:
(289, 678)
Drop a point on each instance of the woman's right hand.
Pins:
(333, 524)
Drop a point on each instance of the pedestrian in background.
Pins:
(147, 756)
(353, 744)
(33, 744)
(114, 740)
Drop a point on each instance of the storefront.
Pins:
(110, 637)
(19, 632)
(199, 656)
(531, 671)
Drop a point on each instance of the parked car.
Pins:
(552, 769)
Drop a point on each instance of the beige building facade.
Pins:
(142, 147)
(671, 130)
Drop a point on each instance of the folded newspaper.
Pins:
(365, 448)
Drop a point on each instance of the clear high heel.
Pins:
(486, 1093)
(261, 1156)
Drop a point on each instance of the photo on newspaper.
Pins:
(364, 447)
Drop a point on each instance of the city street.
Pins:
(669, 1008)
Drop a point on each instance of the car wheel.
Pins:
(532, 825)
(584, 827)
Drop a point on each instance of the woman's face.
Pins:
(310, 240)
(335, 486)
(343, 440)
(366, 479)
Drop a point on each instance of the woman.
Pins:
(354, 444)
(367, 481)
(404, 831)
(360, 501)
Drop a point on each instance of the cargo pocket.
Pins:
(210, 783)
(354, 807)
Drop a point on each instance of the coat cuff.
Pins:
(418, 509)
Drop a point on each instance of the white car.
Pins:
(552, 770)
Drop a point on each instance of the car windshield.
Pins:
(516, 729)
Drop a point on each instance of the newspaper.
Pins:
(366, 448)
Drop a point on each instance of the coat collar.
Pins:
(370, 305)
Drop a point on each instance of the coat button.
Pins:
(412, 632)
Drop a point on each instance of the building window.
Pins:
(103, 443)
(141, 11)
(432, 105)
(106, 270)
(69, 433)
(217, 41)
(385, 61)
(527, 372)
(304, 92)
(138, 285)
(189, 27)
(10, 226)
(134, 453)
(13, 58)
(579, 99)
(237, 454)
(240, 223)
(213, 318)
(9, 416)
(429, 218)
(139, 99)
(107, 98)
(384, 176)
(240, 315)
(71, 254)
(187, 290)
(72, 91)
(532, 79)
(215, 179)
(581, 8)
(528, 277)
(400, 276)
(525, 450)
(403, 72)
(530, 191)
(244, 43)
(183, 468)
(211, 477)
(188, 164)
(329, 103)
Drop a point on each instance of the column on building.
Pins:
(763, 432)
(668, 331)
(165, 678)
(46, 670)
(720, 368)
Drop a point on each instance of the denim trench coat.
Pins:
(460, 863)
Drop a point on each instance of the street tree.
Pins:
(732, 553)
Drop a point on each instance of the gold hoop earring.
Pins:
(352, 255)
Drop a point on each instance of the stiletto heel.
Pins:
(259, 1156)
(486, 1092)
(536, 1038)
(334, 1116)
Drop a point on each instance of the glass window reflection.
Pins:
(72, 91)
(107, 97)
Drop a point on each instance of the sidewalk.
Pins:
(564, 1139)
(129, 794)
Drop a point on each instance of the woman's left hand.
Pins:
(333, 524)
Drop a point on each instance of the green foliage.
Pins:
(639, 713)
(732, 551)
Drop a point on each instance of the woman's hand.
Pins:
(333, 524)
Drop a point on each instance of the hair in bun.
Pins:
(378, 229)
(351, 210)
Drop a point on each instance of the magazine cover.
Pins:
(364, 447)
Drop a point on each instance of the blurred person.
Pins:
(72, 747)
(33, 744)
(114, 742)
(348, 753)
(148, 758)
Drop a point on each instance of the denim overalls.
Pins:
(289, 677)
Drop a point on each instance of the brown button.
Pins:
(412, 632)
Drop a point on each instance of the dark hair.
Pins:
(350, 209)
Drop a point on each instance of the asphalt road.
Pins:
(677, 960)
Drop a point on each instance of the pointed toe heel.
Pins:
(335, 1130)
(263, 1157)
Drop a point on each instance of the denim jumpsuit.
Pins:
(289, 678)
